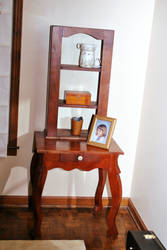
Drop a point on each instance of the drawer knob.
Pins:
(80, 157)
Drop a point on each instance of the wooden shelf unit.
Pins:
(56, 35)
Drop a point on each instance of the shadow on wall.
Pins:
(15, 176)
(15, 170)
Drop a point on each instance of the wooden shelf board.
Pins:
(62, 103)
(66, 134)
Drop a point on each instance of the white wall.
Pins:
(149, 180)
(132, 22)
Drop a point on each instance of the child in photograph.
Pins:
(101, 132)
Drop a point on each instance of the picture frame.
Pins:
(101, 131)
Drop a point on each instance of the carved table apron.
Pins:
(68, 155)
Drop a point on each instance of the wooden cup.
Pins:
(77, 125)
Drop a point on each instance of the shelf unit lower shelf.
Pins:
(62, 103)
(66, 134)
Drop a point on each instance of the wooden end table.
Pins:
(69, 155)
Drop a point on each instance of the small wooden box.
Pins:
(77, 97)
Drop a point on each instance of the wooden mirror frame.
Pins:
(15, 76)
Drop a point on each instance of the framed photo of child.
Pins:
(101, 131)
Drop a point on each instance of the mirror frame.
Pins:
(15, 76)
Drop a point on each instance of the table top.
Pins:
(52, 145)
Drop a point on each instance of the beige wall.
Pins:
(132, 22)
(149, 180)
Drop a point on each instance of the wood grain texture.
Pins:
(54, 79)
(67, 223)
(58, 201)
(51, 152)
(69, 155)
(62, 103)
(136, 216)
(66, 134)
(44, 145)
(15, 76)
(77, 97)
(75, 202)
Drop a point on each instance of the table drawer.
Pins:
(78, 157)
(81, 161)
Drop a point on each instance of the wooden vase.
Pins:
(77, 125)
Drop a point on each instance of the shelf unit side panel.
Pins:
(104, 76)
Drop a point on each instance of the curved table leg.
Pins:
(116, 191)
(99, 191)
(38, 177)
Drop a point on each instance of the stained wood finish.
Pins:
(77, 97)
(99, 34)
(54, 79)
(136, 216)
(55, 66)
(93, 105)
(53, 145)
(99, 191)
(52, 153)
(15, 76)
(104, 76)
(63, 223)
(66, 134)
(58, 201)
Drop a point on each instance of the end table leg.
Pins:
(99, 191)
(38, 180)
(116, 191)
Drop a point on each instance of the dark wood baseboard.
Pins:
(136, 216)
(58, 201)
(71, 202)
